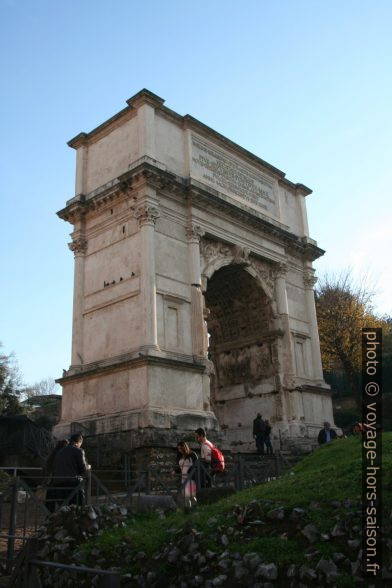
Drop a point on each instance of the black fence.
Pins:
(29, 572)
(30, 497)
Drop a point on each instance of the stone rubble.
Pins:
(187, 559)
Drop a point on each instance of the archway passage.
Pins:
(242, 345)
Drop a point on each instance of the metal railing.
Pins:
(30, 497)
(24, 506)
(29, 572)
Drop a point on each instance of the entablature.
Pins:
(147, 172)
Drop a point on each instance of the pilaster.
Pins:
(79, 247)
(287, 343)
(147, 215)
(194, 234)
(310, 280)
(280, 289)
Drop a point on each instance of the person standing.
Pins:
(186, 460)
(258, 433)
(326, 434)
(205, 457)
(69, 466)
(51, 491)
(267, 437)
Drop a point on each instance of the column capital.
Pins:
(309, 278)
(147, 215)
(194, 233)
(78, 246)
(281, 270)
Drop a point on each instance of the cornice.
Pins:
(152, 170)
(145, 97)
(300, 189)
(74, 210)
(301, 245)
(128, 361)
(101, 130)
(158, 177)
(133, 103)
(78, 141)
(311, 250)
(314, 389)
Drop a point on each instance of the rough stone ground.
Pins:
(291, 551)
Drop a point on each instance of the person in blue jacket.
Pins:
(326, 434)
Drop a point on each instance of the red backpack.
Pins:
(217, 458)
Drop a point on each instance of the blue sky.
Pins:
(304, 84)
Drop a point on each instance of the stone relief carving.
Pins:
(265, 272)
(213, 249)
(275, 356)
(233, 322)
(240, 255)
(78, 246)
(246, 364)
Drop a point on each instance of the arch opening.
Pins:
(242, 347)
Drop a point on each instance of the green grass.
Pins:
(332, 472)
(143, 533)
(273, 549)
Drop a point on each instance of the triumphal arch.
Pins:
(193, 293)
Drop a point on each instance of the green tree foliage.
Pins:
(10, 386)
(387, 358)
(387, 377)
(343, 309)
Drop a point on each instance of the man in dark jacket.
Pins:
(326, 434)
(69, 466)
(258, 433)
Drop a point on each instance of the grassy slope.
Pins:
(333, 472)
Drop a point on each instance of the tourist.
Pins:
(69, 466)
(259, 433)
(51, 492)
(326, 434)
(186, 462)
(267, 437)
(204, 471)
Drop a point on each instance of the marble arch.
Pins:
(166, 211)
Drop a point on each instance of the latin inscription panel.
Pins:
(226, 173)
